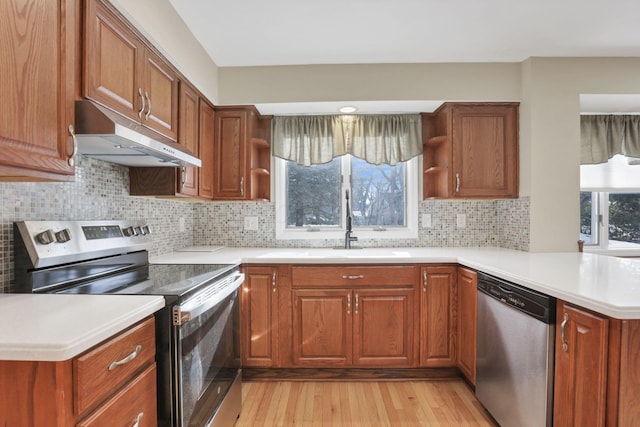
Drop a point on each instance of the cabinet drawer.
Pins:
(135, 402)
(109, 365)
(353, 276)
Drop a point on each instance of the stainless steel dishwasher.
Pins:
(515, 353)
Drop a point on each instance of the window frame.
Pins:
(600, 223)
(410, 231)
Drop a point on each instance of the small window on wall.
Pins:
(610, 206)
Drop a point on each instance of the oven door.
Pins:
(207, 361)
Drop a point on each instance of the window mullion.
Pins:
(603, 226)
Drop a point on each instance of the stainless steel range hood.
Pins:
(105, 135)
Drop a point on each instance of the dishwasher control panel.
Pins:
(535, 304)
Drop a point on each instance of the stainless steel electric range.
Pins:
(197, 332)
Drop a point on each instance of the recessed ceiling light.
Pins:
(347, 109)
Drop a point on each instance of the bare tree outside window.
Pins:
(314, 194)
(378, 194)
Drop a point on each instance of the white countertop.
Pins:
(605, 284)
(54, 327)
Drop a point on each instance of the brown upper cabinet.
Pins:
(196, 133)
(123, 73)
(38, 53)
(241, 154)
(471, 151)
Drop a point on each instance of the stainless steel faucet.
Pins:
(348, 238)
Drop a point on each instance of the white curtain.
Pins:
(605, 135)
(378, 139)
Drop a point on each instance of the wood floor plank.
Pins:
(360, 404)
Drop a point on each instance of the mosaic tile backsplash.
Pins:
(101, 191)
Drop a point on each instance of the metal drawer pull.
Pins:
(146, 116)
(356, 312)
(72, 157)
(144, 104)
(273, 281)
(138, 419)
(127, 359)
(353, 277)
(424, 281)
(349, 303)
(563, 325)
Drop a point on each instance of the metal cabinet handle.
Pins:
(457, 182)
(127, 359)
(144, 104)
(72, 157)
(349, 303)
(563, 325)
(242, 185)
(273, 281)
(138, 419)
(356, 311)
(353, 277)
(146, 116)
(183, 176)
(424, 281)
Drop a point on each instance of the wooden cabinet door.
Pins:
(37, 47)
(383, 327)
(113, 63)
(259, 317)
(230, 155)
(466, 322)
(207, 134)
(437, 316)
(188, 137)
(580, 367)
(322, 327)
(485, 151)
(160, 85)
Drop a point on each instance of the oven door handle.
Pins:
(205, 299)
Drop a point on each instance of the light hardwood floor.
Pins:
(360, 404)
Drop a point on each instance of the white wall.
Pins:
(159, 21)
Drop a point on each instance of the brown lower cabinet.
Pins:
(438, 297)
(345, 316)
(259, 321)
(597, 377)
(83, 391)
(466, 322)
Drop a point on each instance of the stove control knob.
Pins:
(63, 236)
(137, 231)
(145, 230)
(128, 232)
(46, 237)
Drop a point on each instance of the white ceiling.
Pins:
(294, 32)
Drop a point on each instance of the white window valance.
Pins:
(602, 136)
(378, 139)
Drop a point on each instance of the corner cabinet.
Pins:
(259, 316)
(438, 316)
(123, 73)
(38, 50)
(353, 316)
(471, 151)
(85, 391)
(242, 154)
(466, 322)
